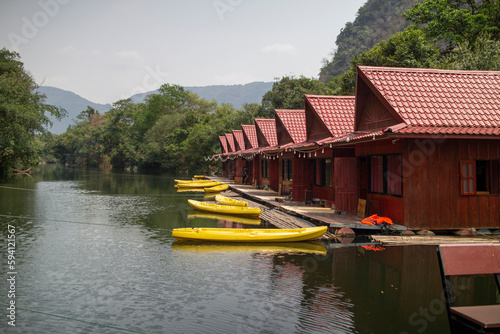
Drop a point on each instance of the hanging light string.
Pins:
(273, 156)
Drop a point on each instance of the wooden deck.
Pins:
(393, 240)
(299, 210)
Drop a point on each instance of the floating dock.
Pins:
(398, 240)
(301, 213)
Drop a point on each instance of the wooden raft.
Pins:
(278, 218)
(430, 240)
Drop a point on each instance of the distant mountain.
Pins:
(236, 95)
(74, 104)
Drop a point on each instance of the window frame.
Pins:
(469, 177)
(325, 177)
(264, 168)
(286, 169)
(386, 174)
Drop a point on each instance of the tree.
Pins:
(482, 55)
(457, 21)
(288, 93)
(409, 48)
(22, 114)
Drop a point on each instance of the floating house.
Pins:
(421, 146)
(269, 167)
(231, 149)
(239, 163)
(290, 131)
(224, 152)
(325, 172)
(251, 144)
(427, 145)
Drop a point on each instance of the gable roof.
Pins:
(290, 126)
(249, 136)
(223, 144)
(329, 116)
(239, 143)
(266, 132)
(230, 142)
(431, 101)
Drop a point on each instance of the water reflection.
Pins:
(97, 247)
(261, 248)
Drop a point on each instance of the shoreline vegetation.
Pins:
(175, 129)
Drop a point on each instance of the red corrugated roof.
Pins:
(336, 112)
(238, 140)
(223, 144)
(294, 122)
(230, 141)
(267, 127)
(432, 101)
(250, 136)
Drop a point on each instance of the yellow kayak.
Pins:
(192, 181)
(227, 209)
(307, 247)
(219, 216)
(183, 190)
(199, 176)
(216, 188)
(198, 184)
(248, 235)
(229, 201)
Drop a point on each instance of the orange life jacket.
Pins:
(374, 248)
(376, 220)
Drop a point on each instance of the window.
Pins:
(265, 168)
(287, 169)
(479, 177)
(385, 176)
(323, 172)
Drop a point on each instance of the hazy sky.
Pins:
(106, 50)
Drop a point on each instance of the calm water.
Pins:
(94, 254)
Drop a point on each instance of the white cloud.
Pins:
(279, 49)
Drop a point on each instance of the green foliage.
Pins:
(409, 48)
(175, 129)
(22, 114)
(288, 93)
(457, 21)
(483, 55)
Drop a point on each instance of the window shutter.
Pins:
(468, 177)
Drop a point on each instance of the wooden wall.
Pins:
(431, 184)
(432, 196)
(239, 164)
(274, 173)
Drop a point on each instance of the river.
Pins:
(94, 253)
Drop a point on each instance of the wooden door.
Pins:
(300, 177)
(346, 185)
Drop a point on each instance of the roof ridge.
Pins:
(426, 70)
(331, 96)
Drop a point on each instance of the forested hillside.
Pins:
(376, 20)
(176, 129)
